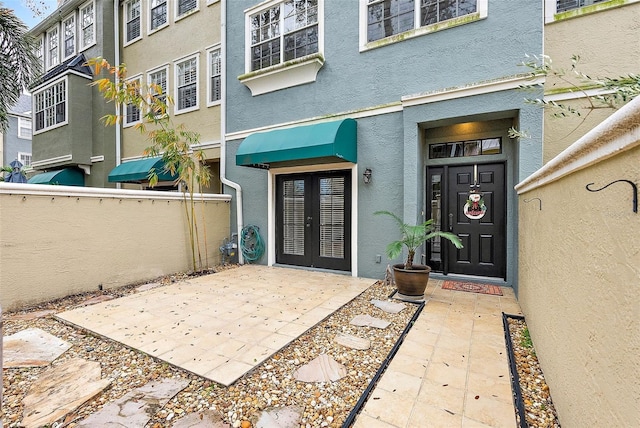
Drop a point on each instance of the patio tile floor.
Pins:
(450, 371)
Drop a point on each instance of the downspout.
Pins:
(116, 38)
(223, 125)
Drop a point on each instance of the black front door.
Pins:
(482, 230)
(313, 220)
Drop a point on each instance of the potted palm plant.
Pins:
(411, 279)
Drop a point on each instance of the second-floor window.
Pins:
(185, 6)
(389, 17)
(158, 14)
(51, 105)
(53, 53)
(187, 85)
(564, 5)
(69, 29)
(132, 111)
(40, 51)
(24, 128)
(87, 25)
(215, 76)
(158, 84)
(283, 32)
(133, 20)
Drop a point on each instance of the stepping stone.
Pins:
(60, 390)
(280, 417)
(323, 368)
(369, 321)
(32, 347)
(136, 407)
(390, 307)
(30, 315)
(97, 299)
(353, 342)
(206, 419)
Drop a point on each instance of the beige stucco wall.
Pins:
(192, 34)
(59, 240)
(608, 45)
(579, 276)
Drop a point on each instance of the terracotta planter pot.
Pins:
(411, 282)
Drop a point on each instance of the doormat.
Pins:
(472, 287)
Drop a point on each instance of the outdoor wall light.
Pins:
(366, 176)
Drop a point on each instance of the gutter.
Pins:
(116, 53)
(223, 125)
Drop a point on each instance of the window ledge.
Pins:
(286, 75)
(588, 10)
(439, 26)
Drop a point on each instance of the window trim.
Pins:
(184, 15)
(21, 155)
(64, 36)
(551, 16)
(48, 56)
(176, 85)
(286, 74)
(166, 23)
(125, 122)
(21, 123)
(209, 51)
(125, 7)
(66, 105)
(481, 13)
(82, 45)
(149, 72)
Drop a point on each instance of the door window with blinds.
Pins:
(313, 213)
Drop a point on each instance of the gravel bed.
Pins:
(269, 385)
(539, 409)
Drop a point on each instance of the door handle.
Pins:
(309, 221)
(450, 222)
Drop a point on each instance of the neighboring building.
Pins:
(604, 34)
(176, 46)
(15, 143)
(338, 109)
(69, 140)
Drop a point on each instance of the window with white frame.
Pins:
(51, 105)
(69, 32)
(24, 128)
(87, 25)
(132, 111)
(185, 6)
(157, 80)
(158, 14)
(214, 90)
(40, 51)
(564, 5)
(385, 18)
(53, 53)
(25, 159)
(283, 32)
(132, 15)
(187, 85)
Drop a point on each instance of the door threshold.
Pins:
(314, 269)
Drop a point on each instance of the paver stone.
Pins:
(369, 321)
(60, 390)
(390, 307)
(280, 417)
(136, 407)
(32, 347)
(323, 368)
(353, 342)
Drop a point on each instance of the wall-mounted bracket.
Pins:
(535, 199)
(633, 186)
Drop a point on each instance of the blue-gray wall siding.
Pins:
(13, 144)
(479, 51)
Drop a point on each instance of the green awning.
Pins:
(322, 142)
(137, 171)
(62, 177)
